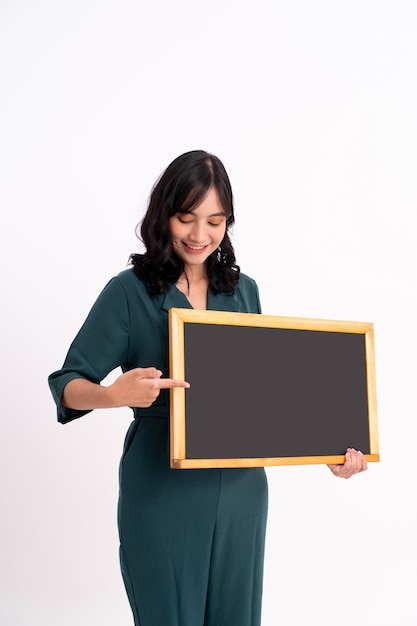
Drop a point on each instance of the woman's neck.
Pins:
(194, 285)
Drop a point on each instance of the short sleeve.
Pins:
(249, 294)
(100, 346)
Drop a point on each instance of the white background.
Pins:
(312, 107)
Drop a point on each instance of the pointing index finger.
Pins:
(169, 383)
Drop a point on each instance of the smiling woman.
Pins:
(191, 542)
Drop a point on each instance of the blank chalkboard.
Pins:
(268, 390)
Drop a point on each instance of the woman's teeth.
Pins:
(195, 247)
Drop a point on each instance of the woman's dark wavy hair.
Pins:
(181, 188)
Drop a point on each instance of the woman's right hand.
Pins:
(141, 386)
(138, 387)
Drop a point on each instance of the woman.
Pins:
(191, 542)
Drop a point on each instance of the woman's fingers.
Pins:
(169, 383)
(355, 462)
(155, 374)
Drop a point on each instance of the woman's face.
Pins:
(195, 235)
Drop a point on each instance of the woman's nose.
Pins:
(198, 232)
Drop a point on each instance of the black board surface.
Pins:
(274, 392)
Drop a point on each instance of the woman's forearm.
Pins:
(81, 394)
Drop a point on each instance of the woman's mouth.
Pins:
(194, 249)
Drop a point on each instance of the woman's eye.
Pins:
(182, 220)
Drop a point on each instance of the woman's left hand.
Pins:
(355, 462)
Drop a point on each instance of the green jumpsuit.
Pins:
(191, 541)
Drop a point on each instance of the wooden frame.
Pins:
(329, 367)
